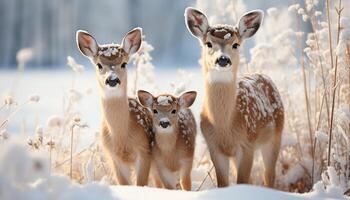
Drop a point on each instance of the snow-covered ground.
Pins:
(26, 176)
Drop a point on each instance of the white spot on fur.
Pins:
(220, 75)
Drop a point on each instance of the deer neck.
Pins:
(116, 114)
(166, 140)
(220, 98)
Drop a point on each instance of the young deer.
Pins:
(238, 116)
(126, 127)
(175, 132)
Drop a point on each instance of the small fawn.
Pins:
(175, 132)
(126, 127)
(238, 116)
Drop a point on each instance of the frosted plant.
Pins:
(184, 80)
(329, 186)
(34, 98)
(226, 11)
(9, 100)
(55, 121)
(4, 135)
(23, 57)
(74, 65)
(144, 69)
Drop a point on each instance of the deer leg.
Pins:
(270, 153)
(221, 164)
(155, 175)
(120, 169)
(220, 161)
(122, 172)
(185, 176)
(245, 166)
(167, 177)
(143, 166)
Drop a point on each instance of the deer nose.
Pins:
(164, 124)
(223, 61)
(112, 80)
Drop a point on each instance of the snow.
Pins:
(25, 176)
(164, 100)
(110, 50)
(227, 36)
(241, 192)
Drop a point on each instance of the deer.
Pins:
(239, 114)
(175, 131)
(126, 126)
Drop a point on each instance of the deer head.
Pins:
(165, 108)
(110, 60)
(221, 43)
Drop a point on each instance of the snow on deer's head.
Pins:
(221, 43)
(165, 108)
(110, 60)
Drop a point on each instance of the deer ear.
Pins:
(196, 22)
(145, 98)
(249, 23)
(86, 43)
(187, 99)
(132, 41)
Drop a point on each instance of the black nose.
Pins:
(223, 61)
(164, 124)
(112, 81)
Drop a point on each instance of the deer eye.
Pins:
(209, 45)
(123, 65)
(173, 111)
(155, 111)
(235, 46)
(99, 66)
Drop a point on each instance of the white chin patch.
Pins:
(112, 92)
(220, 75)
(167, 130)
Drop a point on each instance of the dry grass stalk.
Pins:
(205, 178)
(339, 10)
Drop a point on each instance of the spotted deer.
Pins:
(126, 127)
(239, 115)
(175, 132)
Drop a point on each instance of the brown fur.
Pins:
(173, 151)
(238, 116)
(125, 140)
(126, 127)
(226, 130)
